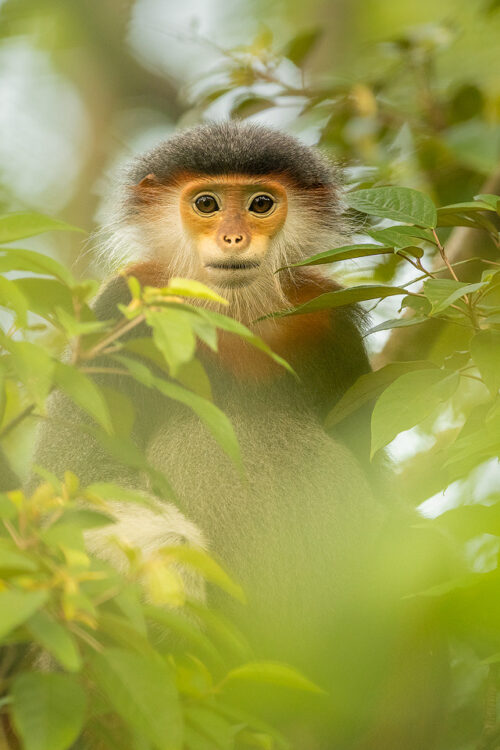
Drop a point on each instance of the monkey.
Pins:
(229, 204)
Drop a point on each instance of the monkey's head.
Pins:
(228, 204)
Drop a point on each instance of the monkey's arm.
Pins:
(62, 445)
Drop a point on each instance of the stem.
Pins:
(17, 539)
(75, 356)
(122, 328)
(443, 256)
(467, 297)
(81, 633)
(444, 268)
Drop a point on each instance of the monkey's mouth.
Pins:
(234, 265)
(232, 272)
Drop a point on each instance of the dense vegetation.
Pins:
(423, 174)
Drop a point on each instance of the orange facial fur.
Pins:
(237, 251)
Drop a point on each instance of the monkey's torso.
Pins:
(296, 529)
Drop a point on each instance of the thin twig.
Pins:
(120, 330)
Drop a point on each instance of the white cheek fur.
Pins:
(307, 230)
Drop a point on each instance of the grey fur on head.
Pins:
(235, 147)
(315, 219)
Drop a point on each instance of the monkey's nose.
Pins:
(233, 239)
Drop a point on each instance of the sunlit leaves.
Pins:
(442, 293)
(187, 288)
(21, 225)
(298, 48)
(343, 253)
(17, 606)
(48, 710)
(210, 415)
(141, 689)
(401, 235)
(34, 367)
(276, 674)
(13, 298)
(83, 391)
(56, 639)
(485, 350)
(396, 203)
(15, 259)
(368, 387)
(343, 297)
(173, 335)
(199, 560)
(408, 401)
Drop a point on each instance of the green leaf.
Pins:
(56, 639)
(274, 673)
(179, 287)
(251, 105)
(396, 203)
(221, 631)
(302, 45)
(180, 625)
(83, 391)
(342, 297)
(113, 492)
(408, 401)
(457, 220)
(200, 560)
(400, 236)
(35, 368)
(192, 375)
(491, 200)
(369, 386)
(141, 689)
(15, 259)
(485, 351)
(468, 521)
(214, 727)
(442, 293)
(213, 418)
(397, 323)
(17, 606)
(48, 710)
(45, 295)
(342, 253)
(466, 207)
(13, 299)
(21, 225)
(173, 335)
(74, 327)
(234, 326)
(12, 560)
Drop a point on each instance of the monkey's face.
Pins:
(231, 223)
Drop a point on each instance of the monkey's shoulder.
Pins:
(324, 346)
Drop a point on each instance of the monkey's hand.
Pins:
(148, 530)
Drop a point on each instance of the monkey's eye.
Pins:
(261, 204)
(206, 204)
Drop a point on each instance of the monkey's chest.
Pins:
(300, 486)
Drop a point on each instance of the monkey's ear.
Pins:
(150, 180)
(145, 191)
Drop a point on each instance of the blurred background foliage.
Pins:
(400, 93)
(404, 92)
